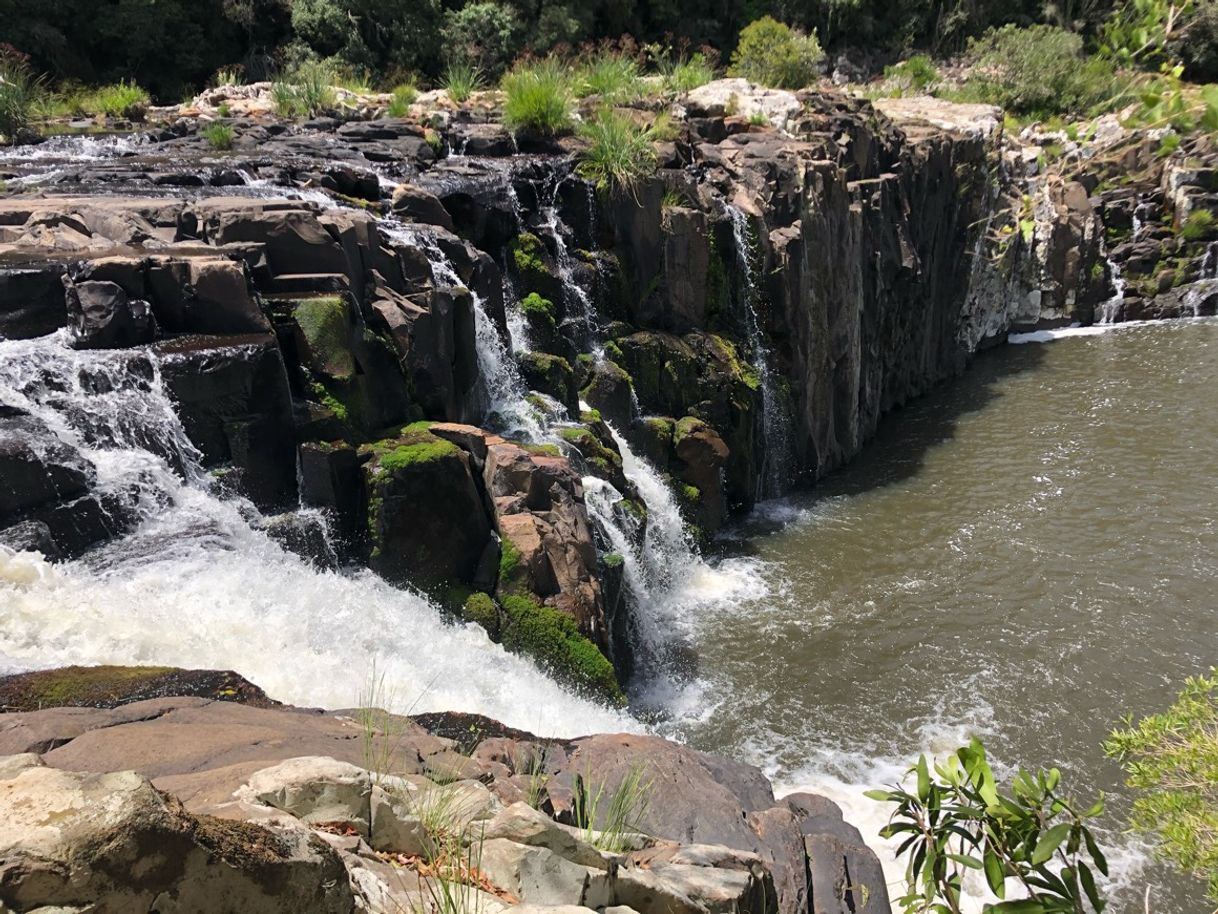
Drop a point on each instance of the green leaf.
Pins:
(1093, 849)
(883, 796)
(1049, 842)
(923, 780)
(994, 874)
(1021, 906)
(971, 862)
(1088, 881)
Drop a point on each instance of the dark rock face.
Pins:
(32, 300)
(103, 317)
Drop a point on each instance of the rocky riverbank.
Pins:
(192, 804)
(427, 346)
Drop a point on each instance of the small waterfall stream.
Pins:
(772, 478)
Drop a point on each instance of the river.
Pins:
(1027, 554)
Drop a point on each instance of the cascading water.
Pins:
(1110, 310)
(580, 313)
(776, 448)
(1209, 265)
(197, 585)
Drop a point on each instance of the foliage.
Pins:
(959, 820)
(402, 98)
(682, 74)
(305, 91)
(619, 152)
(481, 35)
(461, 80)
(377, 35)
(915, 76)
(1140, 32)
(218, 136)
(538, 98)
(1198, 226)
(1196, 45)
(19, 91)
(554, 641)
(1171, 760)
(611, 75)
(1038, 70)
(773, 54)
(607, 819)
(122, 99)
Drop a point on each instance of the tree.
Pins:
(1030, 834)
(1171, 760)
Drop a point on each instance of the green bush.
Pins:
(403, 97)
(619, 153)
(914, 76)
(305, 91)
(539, 95)
(481, 35)
(1039, 70)
(376, 35)
(19, 91)
(122, 99)
(553, 640)
(218, 136)
(461, 80)
(684, 74)
(1198, 226)
(1171, 760)
(773, 54)
(611, 76)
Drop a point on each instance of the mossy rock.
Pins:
(551, 375)
(553, 640)
(325, 327)
(530, 263)
(112, 686)
(599, 453)
(513, 576)
(740, 370)
(538, 310)
(480, 609)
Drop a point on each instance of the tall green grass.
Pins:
(539, 95)
(461, 80)
(122, 99)
(684, 74)
(305, 91)
(619, 152)
(403, 97)
(610, 75)
(608, 819)
(19, 92)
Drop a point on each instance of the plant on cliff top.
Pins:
(1198, 225)
(19, 90)
(403, 97)
(959, 820)
(1171, 760)
(123, 99)
(461, 80)
(681, 74)
(619, 153)
(610, 75)
(773, 54)
(538, 97)
(305, 91)
(218, 136)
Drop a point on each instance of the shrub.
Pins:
(1171, 760)
(1198, 226)
(461, 80)
(684, 74)
(19, 91)
(122, 99)
(218, 136)
(376, 35)
(619, 152)
(228, 76)
(611, 76)
(403, 97)
(1038, 70)
(960, 819)
(773, 54)
(538, 97)
(914, 76)
(305, 90)
(481, 35)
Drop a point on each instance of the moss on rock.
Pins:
(111, 686)
(480, 609)
(553, 640)
(323, 324)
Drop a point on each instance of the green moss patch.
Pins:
(741, 370)
(323, 324)
(111, 686)
(480, 609)
(554, 641)
(538, 309)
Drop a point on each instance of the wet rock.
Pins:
(112, 686)
(330, 478)
(701, 456)
(71, 841)
(610, 391)
(30, 536)
(36, 467)
(32, 300)
(551, 375)
(203, 295)
(417, 205)
(102, 316)
(426, 517)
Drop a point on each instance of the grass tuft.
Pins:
(619, 152)
(461, 80)
(403, 97)
(218, 136)
(539, 97)
(611, 76)
(607, 819)
(19, 92)
(305, 91)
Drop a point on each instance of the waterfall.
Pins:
(776, 447)
(1110, 310)
(578, 310)
(198, 585)
(1209, 265)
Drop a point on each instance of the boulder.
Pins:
(32, 300)
(102, 316)
(537, 875)
(111, 842)
(417, 205)
(36, 467)
(523, 824)
(610, 391)
(203, 295)
(317, 790)
(426, 518)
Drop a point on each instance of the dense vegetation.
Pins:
(174, 46)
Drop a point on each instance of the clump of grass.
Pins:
(218, 136)
(915, 76)
(461, 80)
(122, 99)
(19, 93)
(228, 76)
(539, 94)
(610, 75)
(381, 730)
(225, 110)
(684, 74)
(758, 119)
(619, 152)
(1199, 225)
(304, 91)
(402, 98)
(606, 819)
(353, 80)
(535, 768)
